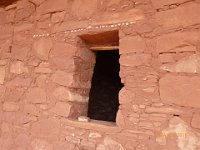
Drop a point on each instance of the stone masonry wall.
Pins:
(46, 71)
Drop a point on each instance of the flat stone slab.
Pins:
(180, 90)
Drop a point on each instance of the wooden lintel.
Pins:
(103, 48)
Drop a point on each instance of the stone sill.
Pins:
(102, 126)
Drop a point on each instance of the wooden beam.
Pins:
(104, 48)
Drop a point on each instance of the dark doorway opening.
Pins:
(106, 84)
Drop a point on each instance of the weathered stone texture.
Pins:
(58, 17)
(164, 110)
(36, 95)
(51, 6)
(133, 60)
(175, 42)
(24, 10)
(20, 82)
(161, 3)
(63, 49)
(23, 141)
(63, 78)
(186, 15)
(82, 11)
(46, 68)
(2, 74)
(20, 52)
(37, 2)
(109, 143)
(18, 67)
(196, 120)
(62, 94)
(42, 48)
(131, 15)
(41, 144)
(183, 92)
(13, 94)
(46, 128)
(189, 64)
(62, 109)
(132, 44)
(10, 106)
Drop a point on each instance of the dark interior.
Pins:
(106, 84)
(4, 3)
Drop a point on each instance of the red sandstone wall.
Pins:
(45, 74)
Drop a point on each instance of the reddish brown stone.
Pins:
(62, 109)
(23, 141)
(20, 82)
(120, 119)
(71, 25)
(83, 12)
(41, 80)
(63, 78)
(63, 49)
(62, 94)
(10, 106)
(20, 52)
(16, 118)
(41, 144)
(3, 62)
(163, 110)
(196, 120)
(31, 109)
(186, 15)
(42, 70)
(2, 74)
(18, 67)
(46, 128)
(131, 15)
(64, 63)
(183, 92)
(42, 48)
(37, 2)
(166, 58)
(189, 64)
(132, 60)
(46, 68)
(36, 95)
(159, 3)
(63, 145)
(109, 143)
(132, 44)
(175, 42)
(2, 92)
(126, 96)
(24, 6)
(58, 17)
(52, 6)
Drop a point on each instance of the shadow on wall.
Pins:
(4, 3)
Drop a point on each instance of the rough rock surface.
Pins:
(46, 69)
(183, 92)
(189, 64)
(42, 48)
